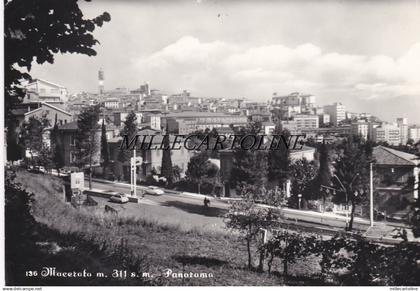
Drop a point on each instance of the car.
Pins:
(119, 198)
(153, 190)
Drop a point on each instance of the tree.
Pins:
(303, 174)
(199, 168)
(57, 148)
(287, 246)
(352, 173)
(129, 130)
(279, 159)
(246, 217)
(19, 229)
(87, 141)
(249, 166)
(323, 177)
(166, 167)
(32, 136)
(36, 30)
(104, 149)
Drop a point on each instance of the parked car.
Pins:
(36, 169)
(119, 198)
(153, 190)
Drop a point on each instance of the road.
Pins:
(182, 206)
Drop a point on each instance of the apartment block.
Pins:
(337, 112)
(389, 133)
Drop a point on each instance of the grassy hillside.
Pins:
(147, 244)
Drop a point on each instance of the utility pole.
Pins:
(135, 173)
(371, 194)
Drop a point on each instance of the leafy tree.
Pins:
(287, 246)
(199, 168)
(104, 149)
(14, 147)
(36, 30)
(166, 168)
(415, 217)
(303, 173)
(18, 229)
(87, 141)
(249, 166)
(247, 218)
(279, 159)
(32, 135)
(352, 173)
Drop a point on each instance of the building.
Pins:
(68, 134)
(337, 112)
(360, 128)
(414, 133)
(397, 176)
(112, 103)
(152, 158)
(402, 124)
(24, 111)
(294, 103)
(120, 117)
(388, 133)
(323, 119)
(306, 121)
(45, 91)
(188, 122)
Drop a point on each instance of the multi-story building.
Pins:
(45, 91)
(294, 103)
(395, 170)
(388, 133)
(360, 128)
(112, 103)
(402, 123)
(324, 119)
(188, 122)
(337, 112)
(24, 111)
(414, 133)
(306, 121)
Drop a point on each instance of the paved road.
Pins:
(193, 204)
(166, 199)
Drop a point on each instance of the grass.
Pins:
(158, 245)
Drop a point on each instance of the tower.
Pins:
(101, 79)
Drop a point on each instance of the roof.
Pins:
(199, 114)
(47, 82)
(48, 105)
(388, 156)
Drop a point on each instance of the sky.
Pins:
(365, 54)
